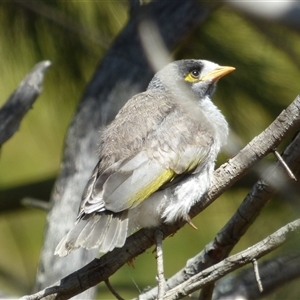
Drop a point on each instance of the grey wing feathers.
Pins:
(87, 202)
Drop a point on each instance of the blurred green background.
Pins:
(74, 36)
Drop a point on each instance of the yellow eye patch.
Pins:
(192, 76)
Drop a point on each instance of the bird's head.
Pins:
(200, 76)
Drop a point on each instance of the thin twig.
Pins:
(243, 284)
(257, 276)
(160, 265)
(112, 290)
(207, 293)
(35, 203)
(284, 164)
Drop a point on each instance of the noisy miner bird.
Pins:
(158, 141)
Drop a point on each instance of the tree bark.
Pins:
(243, 285)
(18, 104)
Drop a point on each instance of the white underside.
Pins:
(173, 203)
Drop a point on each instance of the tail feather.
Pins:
(104, 230)
(115, 233)
(67, 244)
(87, 237)
(94, 237)
(123, 230)
(110, 237)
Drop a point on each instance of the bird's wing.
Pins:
(136, 179)
(92, 200)
(171, 151)
(140, 176)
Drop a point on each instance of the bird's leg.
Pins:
(160, 264)
(189, 221)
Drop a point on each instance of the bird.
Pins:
(156, 158)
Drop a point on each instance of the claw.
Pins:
(131, 263)
(189, 221)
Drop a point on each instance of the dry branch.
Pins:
(243, 285)
(11, 198)
(18, 104)
(234, 262)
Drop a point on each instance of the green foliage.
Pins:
(74, 36)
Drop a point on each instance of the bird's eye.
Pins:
(195, 73)
(193, 76)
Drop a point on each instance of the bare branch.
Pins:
(234, 262)
(36, 203)
(11, 198)
(259, 147)
(243, 285)
(112, 290)
(257, 276)
(285, 12)
(160, 265)
(286, 167)
(207, 293)
(18, 104)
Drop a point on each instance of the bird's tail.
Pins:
(103, 230)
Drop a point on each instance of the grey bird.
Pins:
(156, 158)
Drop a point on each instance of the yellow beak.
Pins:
(217, 73)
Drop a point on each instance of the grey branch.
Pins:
(243, 285)
(257, 275)
(160, 265)
(234, 262)
(286, 167)
(11, 198)
(285, 12)
(101, 269)
(18, 104)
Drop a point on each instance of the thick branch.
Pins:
(18, 104)
(285, 12)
